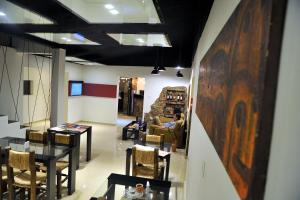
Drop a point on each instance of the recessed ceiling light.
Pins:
(114, 12)
(63, 38)
(109, 6)
(140, 40)
(2, 14)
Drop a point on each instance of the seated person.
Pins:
(172, 123)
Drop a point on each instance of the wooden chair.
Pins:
(145, 163)
(66, 140)
(36, 136)
(159, 140)
(28, 178)
(3, 175)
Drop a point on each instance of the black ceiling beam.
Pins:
(182, 21)
(138, 28)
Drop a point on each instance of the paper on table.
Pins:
(163, 153)
(57, 129)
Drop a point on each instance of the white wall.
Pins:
(13, 60)
(105, 110)
(36, 107)
(283, 181)
(207, 178)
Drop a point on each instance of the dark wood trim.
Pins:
(263, 144)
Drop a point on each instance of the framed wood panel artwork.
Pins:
(237, 91)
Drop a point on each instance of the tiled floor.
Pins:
(108, 156)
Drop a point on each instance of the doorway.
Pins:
(131, 96)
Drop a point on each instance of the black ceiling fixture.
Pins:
(161, 67)
(155, 71)
(179, 74)
(182, 22)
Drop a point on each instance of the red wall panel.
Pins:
(99, 90)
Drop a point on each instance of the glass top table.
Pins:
(47, 154)
(122, 187)
(42, 152)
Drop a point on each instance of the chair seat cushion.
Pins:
(61, 165)
(147, 170)
(23, 179)
(4, 172)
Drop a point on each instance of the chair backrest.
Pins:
(145, 157)
(23, 161)
(155, 138)
(36, 136)
(63, 139)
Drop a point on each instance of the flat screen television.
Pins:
(75, 88)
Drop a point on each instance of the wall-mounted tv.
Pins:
(75, 88)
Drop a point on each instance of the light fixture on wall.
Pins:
(179, 74)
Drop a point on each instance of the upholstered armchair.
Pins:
(171, 134)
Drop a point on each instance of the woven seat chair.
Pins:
(158, 140)
(28, 178)
(3, 175)
(36, 136)
(145, 163)
(65, 140)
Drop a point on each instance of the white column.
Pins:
(57, 87)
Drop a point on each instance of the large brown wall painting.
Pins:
(237, 89)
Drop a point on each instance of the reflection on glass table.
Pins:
(123, 187)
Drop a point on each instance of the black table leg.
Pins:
(72, 171)
(168, 158)
(124, 134)
(111, 190)
(89, 144)
(51, 173)
(166, 194)
(77, 150)
(128, 155)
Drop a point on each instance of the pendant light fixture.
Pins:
(156, 70)
(179, 74)
(179, 66)
(161, 68)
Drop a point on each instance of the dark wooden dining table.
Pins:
(77, 130)
(47, 154)
(164, 153)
